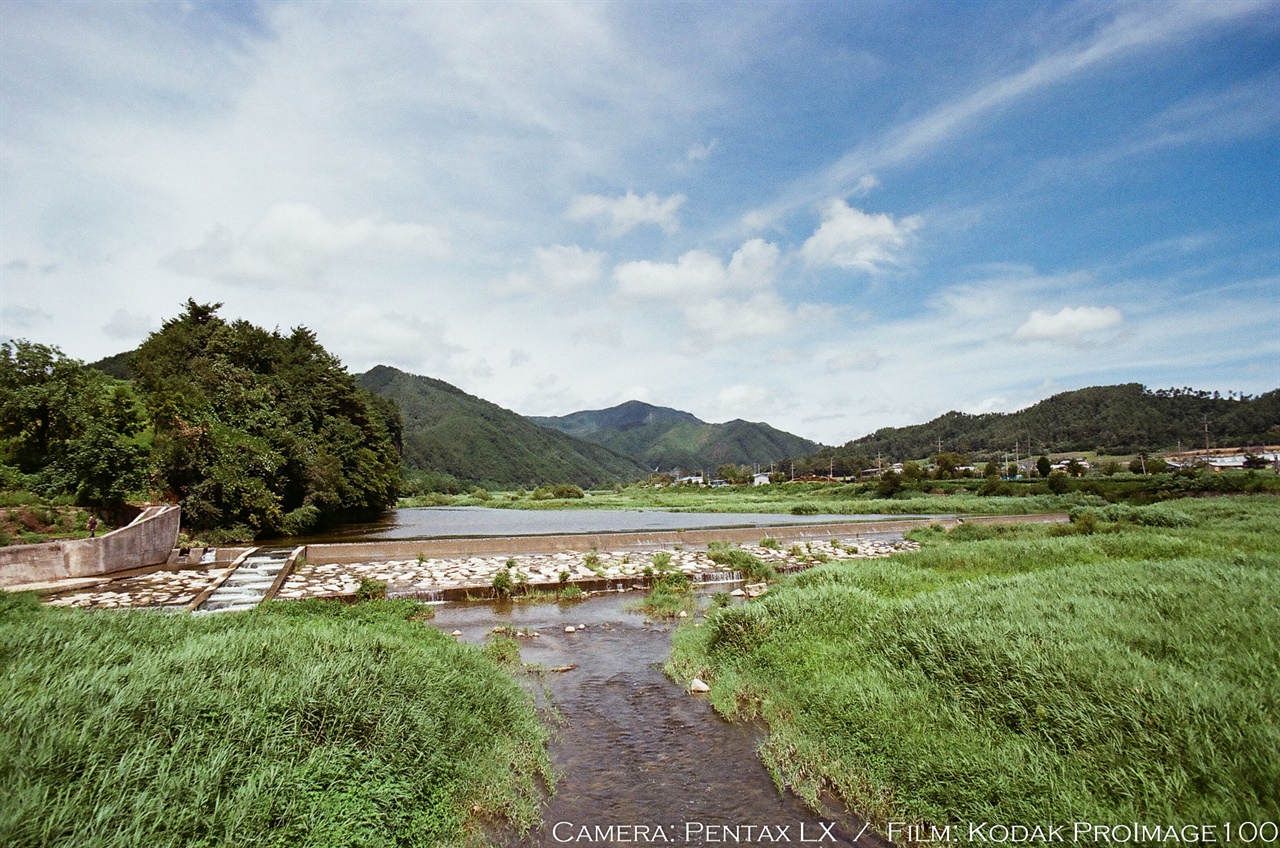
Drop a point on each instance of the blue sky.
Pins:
(832, 217)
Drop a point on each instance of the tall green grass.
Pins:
(1127, 674)
(301, 723)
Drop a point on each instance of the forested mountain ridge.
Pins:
(1120, 419)
(450, 433)
(667, 439)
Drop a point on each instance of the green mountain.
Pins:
(668, 438)
(1119, 419)
(447, 431)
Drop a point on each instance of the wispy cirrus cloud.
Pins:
(1140, 28)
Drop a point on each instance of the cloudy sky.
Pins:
(829, 216)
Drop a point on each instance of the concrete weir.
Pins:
(147, 541)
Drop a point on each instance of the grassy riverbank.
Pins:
(970, 496)
(1125, 668)
(306, 723)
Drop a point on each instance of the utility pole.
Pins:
(1206, 434)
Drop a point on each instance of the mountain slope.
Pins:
(667, 438)
(1114, 419)
(447, 430)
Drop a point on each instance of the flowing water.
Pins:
(248, 584)
(635, 752)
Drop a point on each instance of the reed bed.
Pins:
(1112, 671)
(301, 723)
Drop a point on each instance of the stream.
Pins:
(638, 759)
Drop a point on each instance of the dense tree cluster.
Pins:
(65, 428)
(253, 432)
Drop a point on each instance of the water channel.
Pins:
(633, 749)
(467, 521)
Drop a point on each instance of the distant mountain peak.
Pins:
(670, 438)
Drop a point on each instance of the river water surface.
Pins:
(635, 752)
(431, 522)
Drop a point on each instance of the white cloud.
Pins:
(620, 215)
(1072, 326)
(865, 185)
(295, 242)
(559, 268)
(13, 317)
(856, 360)
(696, 273)
(698, 152)
(131, 326)
(741, 397)
(722, 303)
(699, 274)
(726, 320)
(851, 238)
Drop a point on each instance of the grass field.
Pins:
(297, 724)
(1124, 668)
(970, 496)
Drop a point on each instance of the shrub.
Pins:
(661, 561)
(753, 568)
(561, 491)
(300, 521)
(502, 584)
(804, 509)
(572, 593)
(503, 650)
(771, 543)
(371, 589)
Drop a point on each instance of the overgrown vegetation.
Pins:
(1005, 674)
(672, 594)
(254, 433)
(307, 723)
(753, 569)
(918, 495)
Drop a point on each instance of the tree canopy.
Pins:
(262, 430)
(254, 432)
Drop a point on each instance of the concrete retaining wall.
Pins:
(146, 542)
(514, 545)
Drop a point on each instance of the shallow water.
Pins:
(635, 750)
(430, 522)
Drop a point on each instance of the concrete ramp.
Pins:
(146, 542)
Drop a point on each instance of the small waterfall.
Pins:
(248, 584)
(706, 578)
(426, 596)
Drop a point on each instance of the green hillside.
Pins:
(1119, 419)
(449, 432)
(667, 438)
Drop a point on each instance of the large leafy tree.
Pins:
(71, 427)
(263, 431)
